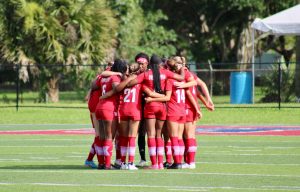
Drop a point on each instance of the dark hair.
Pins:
(154, 66)
(119, 66)
(141, 55)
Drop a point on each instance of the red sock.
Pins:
(107, 151)
(92, 151)
(152, 150)
(117, 147)
(175, 149)
(192, 149)
(181, 149)
(160, 150)
(99, 150)
(185, 157)
(168, 151)
(123, 147)
(131, 149)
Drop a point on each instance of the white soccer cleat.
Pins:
(142, 163)
(192, 166)
(124, 166)
(185, 166)
(132, 166)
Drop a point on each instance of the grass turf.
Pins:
(224, 163)
(221, 116)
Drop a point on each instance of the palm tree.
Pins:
(55, 32)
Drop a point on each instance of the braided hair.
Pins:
(154, 66)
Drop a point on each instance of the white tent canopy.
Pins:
(286, 22)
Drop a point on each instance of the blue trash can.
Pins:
(240, 87)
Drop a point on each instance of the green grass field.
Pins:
(224, 163)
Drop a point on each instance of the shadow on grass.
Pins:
(46, 167)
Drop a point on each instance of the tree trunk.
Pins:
(244, 52)
(297, 72)
(53, 89)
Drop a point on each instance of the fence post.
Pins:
(279, 85)
(211, 78)
(17, 87)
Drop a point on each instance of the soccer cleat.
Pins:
(175, 166)
(124, 166)
(117, 164)
(185, 166)
(101, 167)
(166, 164)
(142, 163)
(192, 166)
(154, 167)
(90, 164)
(160, 166)
(132, 166)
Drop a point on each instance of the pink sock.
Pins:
(160, 150)
(175, 149)
(107, 151)
(168, 152)
(131, 149)
(123, 146)
(181, 149)
(152, 150)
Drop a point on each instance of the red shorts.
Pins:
(107, 115)
(132, 115)
(178, 119)
(190, 115)
(155, 112)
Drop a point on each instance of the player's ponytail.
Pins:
(154, 66)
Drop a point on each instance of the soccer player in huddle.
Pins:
(169, 82)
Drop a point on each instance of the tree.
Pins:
(140, 30)
(49, 34)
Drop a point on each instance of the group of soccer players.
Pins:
(153, 96)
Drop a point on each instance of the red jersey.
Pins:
(176, 105)
(147, 79)
(94, 96)
(131, 100)
(106, 85)
(192, 89)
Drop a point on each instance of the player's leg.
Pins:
(142, 142)
(159, 142)
(150, 126)
(168, 146)
(123, 141)
(132, 133)
(89, 161)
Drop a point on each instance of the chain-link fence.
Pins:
(230, 84)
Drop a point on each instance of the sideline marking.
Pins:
(81, 171)
(274, 130)
(160, 186)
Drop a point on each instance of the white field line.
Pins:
(169, 187)
(41, 146)
(82, 171)
(1, 125)
(245, 163)
(247, 154)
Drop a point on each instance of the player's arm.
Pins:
(204, 89)
(176, 76)
(95, 85)
(117, 87)
(151, 93)
(110, 73)
(88, 95)
(167, 97)
(181, 85)
(193, 101)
